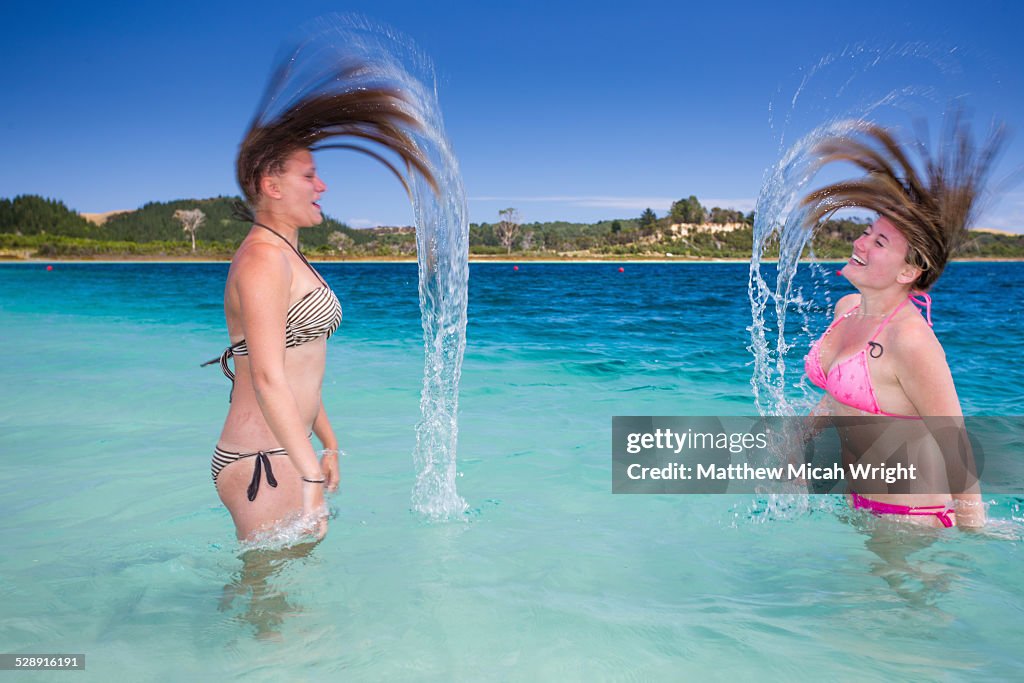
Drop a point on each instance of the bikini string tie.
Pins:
(262, 460)
(923, 301)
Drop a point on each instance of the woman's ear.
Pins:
(908, 274)
(269, 187)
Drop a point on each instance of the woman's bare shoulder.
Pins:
(260, 261)
(911, 336)
(846, 304)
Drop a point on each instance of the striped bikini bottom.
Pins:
(223, 458)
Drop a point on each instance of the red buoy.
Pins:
(621, 269)
(515, 267)
(49, 267)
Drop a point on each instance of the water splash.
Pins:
(843, 89)
(288, 532)
(891, 85)
(778, 216)
(442, 246)
(442, 238)
(862, 79)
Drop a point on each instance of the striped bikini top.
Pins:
(315, 315)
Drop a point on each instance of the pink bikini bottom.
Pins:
(941, 511)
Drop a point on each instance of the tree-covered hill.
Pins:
(48, 227)
(153, 222)
(33, 215)
(34, 226)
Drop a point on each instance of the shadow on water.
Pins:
(923, 579)
(916, 581)
(256, 591)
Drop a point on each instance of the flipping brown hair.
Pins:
(932, 208)
(343, 101)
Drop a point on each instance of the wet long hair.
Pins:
(932, 207)
(342, 98)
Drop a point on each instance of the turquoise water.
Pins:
(117, 547)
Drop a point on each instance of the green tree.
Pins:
(648, 219)
(687, 210)
(33, 215)
(721, 216)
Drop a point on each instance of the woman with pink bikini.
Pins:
(880, 356)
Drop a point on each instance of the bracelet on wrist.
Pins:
(331, 451)
(314, 481)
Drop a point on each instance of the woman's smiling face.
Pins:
(879, 257)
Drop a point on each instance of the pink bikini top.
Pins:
(849, 381)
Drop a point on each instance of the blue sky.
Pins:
(565, 110)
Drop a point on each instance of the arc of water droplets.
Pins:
(778, 213)
(442, 241)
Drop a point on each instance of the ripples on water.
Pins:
(130, 555)
(130, 551)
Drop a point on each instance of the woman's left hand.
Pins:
(329, 465)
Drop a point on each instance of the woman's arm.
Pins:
(921, 369)
(263, 285)
(924, 375)
(329, 462)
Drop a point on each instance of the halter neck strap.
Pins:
(293, 248)
(888, 318)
